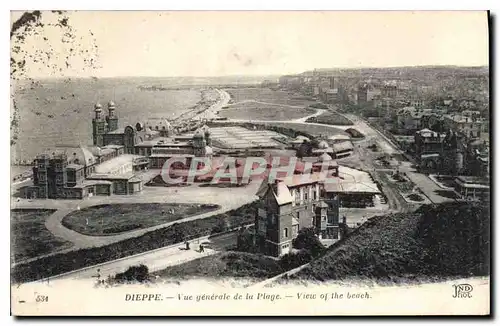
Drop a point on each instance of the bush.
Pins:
(245, 241)
(294, 260)
(307, 240)
(133, 274)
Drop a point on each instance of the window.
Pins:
(306, 194)
(297, 196)
(285, 233)
(314, 194)
(41, 164)
(41, 177)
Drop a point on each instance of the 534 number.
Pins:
(42, 298)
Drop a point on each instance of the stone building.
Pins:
(287, 206)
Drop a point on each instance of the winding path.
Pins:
(227, 198)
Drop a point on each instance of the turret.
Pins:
(112, 119)
(98, 126)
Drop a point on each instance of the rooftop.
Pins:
(101, 176)
(116, 162)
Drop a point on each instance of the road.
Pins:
(155, 260)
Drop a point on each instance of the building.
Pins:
(389, 89)
(74, 172)
(153, 139)
(472, 188)
(308, 200)
(362, 94)
(330, 95)
(109, 166)
(438, 153)
(428, 142)
(288, 206)
(411, 118)
(471, 127)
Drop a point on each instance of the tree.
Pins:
(45, 42)
(245, 240)
(307, 240)
(305, 149)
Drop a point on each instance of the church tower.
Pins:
(98, 126)
(112, 119)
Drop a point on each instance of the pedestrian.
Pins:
(201, 248)
(187, 245)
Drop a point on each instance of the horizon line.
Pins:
(264, 75)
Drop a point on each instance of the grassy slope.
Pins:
(445, 241)
(227, 264)
(30, 237)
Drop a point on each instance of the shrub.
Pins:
(307, 240)
(294, 260)
(133, 274)
(245, 241)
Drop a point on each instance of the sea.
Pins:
(60, 111)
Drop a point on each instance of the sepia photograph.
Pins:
(250, 163)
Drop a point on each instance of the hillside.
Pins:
(228, 264)
(449, 240)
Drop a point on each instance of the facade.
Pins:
(428, 142)
(288, 206)
(471, 127)
(74, 172)
(307, 200)
(472, 188)
(362, 94)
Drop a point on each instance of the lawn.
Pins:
(29, 237)
(331, 118)
(117, 218)
(314, 130)
(267, 95)
(262, 111)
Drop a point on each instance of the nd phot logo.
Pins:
(462, 291)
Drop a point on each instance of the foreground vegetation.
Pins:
(29, 236)
(449, 240)
(435, 242)
(176, 233)
(117, 218)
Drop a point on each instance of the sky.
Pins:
(182, 43)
